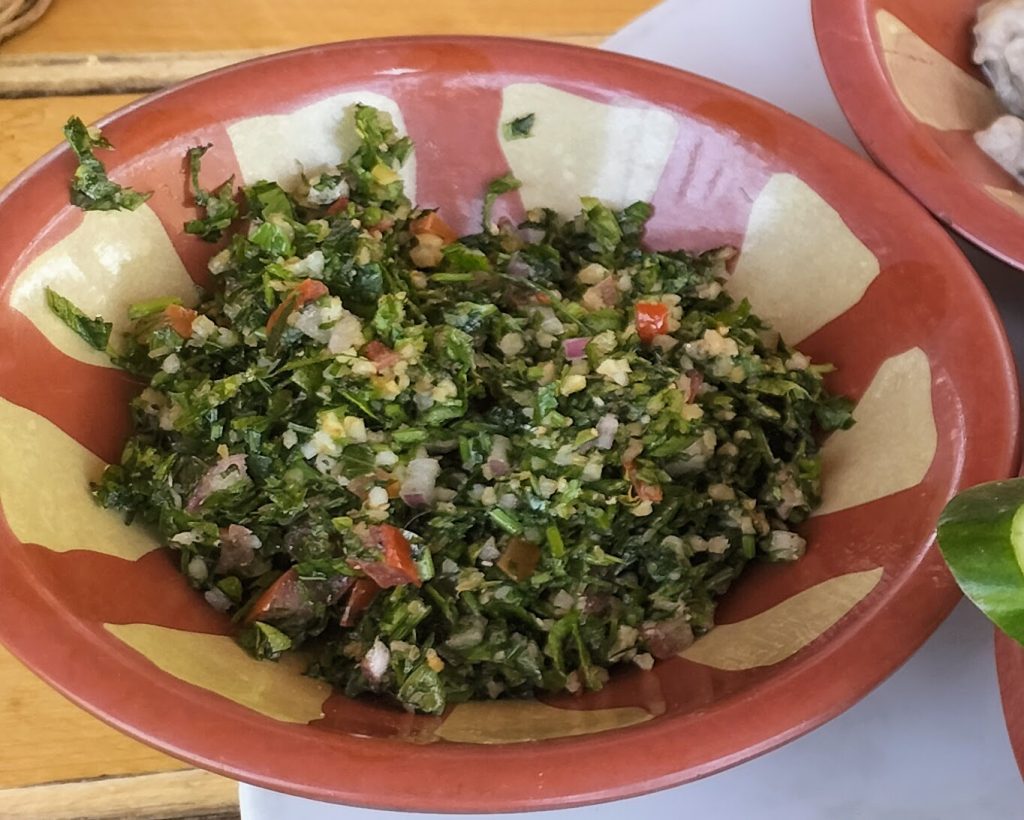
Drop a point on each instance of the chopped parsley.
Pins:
(518, 128)
(220, 205)
(95, 332)
(501, 185)
(463, 467)
(91, 189)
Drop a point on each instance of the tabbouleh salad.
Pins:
(453, 468)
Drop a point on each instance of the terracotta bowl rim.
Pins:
(931, 583)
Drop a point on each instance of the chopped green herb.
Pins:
(95, 332)
(265, 641)
(506, 521)
(91, 189)
(141, 310)
(497, 187)
(220, 205)
(519, 128)
(549, 455)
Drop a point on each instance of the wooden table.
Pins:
(88, 57)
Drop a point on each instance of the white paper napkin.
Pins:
(930, 743)
(763, 47)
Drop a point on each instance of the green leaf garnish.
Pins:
(497, 187)
(219, 205)
(95, 332)
(91, 189)
(518, 128)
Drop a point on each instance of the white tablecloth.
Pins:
(929, 743)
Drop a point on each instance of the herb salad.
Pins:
(454, 468)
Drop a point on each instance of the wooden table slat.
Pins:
(163, 796)
(39, 75)
(187, 25)
(48, 738)
(30, 127)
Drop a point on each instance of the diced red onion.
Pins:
(375, 662)
(237, 548)
(518, 268)
(498, 467)
(696, 380)
(217, 599)
(506, 225)
(497, 459)
(689, 384)
(415, 499)
(607, 427)
(550, 323)
(489, 551)
(575, 348)
(597, 603)
(417, 490)
(213, 480)
(532, 236)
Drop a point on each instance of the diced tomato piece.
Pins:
(651, 320)
(397, 553)
(396, 566)
(280, 598)
(381, 355)
(337, 206)
(305, 291)
(541, 298)
(179, 319)
(383, 575)
(432, 223)
(362, 594)
(309, 290)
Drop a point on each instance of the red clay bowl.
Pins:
(903, 74)
(834, 251)
(1010, 668)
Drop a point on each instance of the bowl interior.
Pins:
(903, 73)
(833, 252)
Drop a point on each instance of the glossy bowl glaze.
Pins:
(903, 74)
(833, 251)
(1010, 668)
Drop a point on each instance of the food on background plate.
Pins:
(455, 468)
(999, 50)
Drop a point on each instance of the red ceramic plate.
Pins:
(903, 74)
(834, 251)
(1010, 667)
